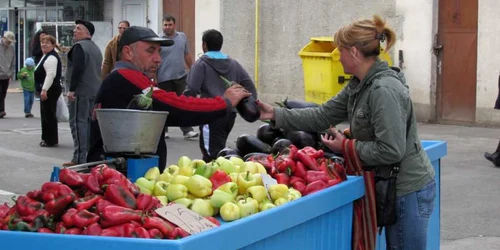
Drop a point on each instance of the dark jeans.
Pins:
(213, 136)
(4, 85)
(29, 98)
(80, 113)
(413, 213)
(178, 87)
(48, 117)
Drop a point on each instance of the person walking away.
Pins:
(111, 51)
(140, 57)
(83, 74)
(174, 59)
(495, 156)
(383, 127)
(7, 64)
(27, 77)
(48, 72)
(204, 80)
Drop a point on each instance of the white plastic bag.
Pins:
(62, 112)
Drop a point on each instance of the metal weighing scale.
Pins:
(132, 136)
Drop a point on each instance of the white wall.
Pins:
(207, 14)
(155, 15)
(488, 61)
(416, 41)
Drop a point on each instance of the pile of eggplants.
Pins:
(269, 140)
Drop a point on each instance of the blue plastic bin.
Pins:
(435, 151)
(322, 220)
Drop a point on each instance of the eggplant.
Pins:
(302, 139)
(294, 104)
(229, 156)
(248, 109)
(280, 145)
(268, 134)
(255, 156)
(246, 144)
(228, 151)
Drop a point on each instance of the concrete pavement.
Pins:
(470, 199)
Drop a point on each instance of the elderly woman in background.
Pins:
(48, 75)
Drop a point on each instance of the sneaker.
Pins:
(191, 135)
(29, 115)
(2, 114)
(166, 136)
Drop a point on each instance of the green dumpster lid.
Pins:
(322, 39)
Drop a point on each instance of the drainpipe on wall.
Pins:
(256, 59)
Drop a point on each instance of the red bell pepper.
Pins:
(120, 196)
(300, 170)
(124, 230)
(179, 233)
(70, 177)
(140, 232)
(39, 213)
(333, 182)
(155, 233)
(282, 178)
(87, 202)
(92, 184)
(293, 152)
(93, 229)
(56, 188)
(164, 226)
(322, 165)
(294, 179)
(60, 228)
(115, 215)
(4, 209)
(307, 160)
(286, 165)
(313, 176)
(45, 230)
(58, 205)
(67, 217)
(110, 232)
(75, 231)
(219, 178)
(213, 220)
(101, 204)
(84, 218)
(314, 187)
(84, 176)
(145, 202)
(35, 195)
(27, 206)
(299, 186)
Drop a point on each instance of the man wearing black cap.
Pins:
(83, 76)
(139, 52)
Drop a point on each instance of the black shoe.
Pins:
(2, 114)
(494, 158)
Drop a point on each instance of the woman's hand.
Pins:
(43, 95)
(266, 111)
(333, 140)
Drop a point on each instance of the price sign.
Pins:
(267, 180)
(184, 218)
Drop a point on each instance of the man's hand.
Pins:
(235, 93)
(71, 96)
(266, 111)
(43, 95)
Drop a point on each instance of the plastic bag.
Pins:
(62, 112)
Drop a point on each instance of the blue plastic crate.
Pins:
(435, 151)
(322, 220)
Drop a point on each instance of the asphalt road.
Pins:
(470, 198)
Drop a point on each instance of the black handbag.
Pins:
(385, 194)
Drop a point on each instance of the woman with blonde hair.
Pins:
(384, 149)
(48, 75)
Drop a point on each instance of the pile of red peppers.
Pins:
(306, 169)
(103, 202)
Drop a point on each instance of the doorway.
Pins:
(457, 61)
(134, 12)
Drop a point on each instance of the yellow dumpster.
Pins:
(323, 73)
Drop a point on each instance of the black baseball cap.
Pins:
(87, 25)
(136, 33)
